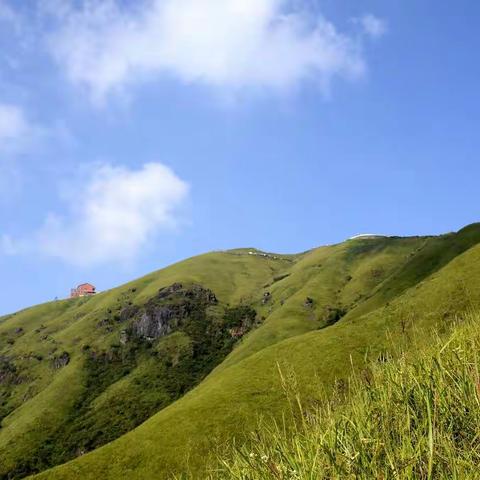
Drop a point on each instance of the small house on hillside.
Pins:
(83, 290)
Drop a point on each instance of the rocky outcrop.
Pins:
(169, 310)
(195, 292)
(128, 312)
(61, 361)
(168, 291)
(160, 321)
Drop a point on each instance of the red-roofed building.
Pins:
(83, 290)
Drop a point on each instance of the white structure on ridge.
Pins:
(367, 235)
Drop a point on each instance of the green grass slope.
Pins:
(386, 289)
(415, 417)
(38, 400)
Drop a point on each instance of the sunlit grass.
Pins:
(415, 417)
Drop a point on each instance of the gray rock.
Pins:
(61, 361)
(127, 313)
(167, 311)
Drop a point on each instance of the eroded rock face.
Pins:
(61, 361)
(158, 322)
(169, 309)
(167, 291)
(128, 312)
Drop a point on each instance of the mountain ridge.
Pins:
(339, 299)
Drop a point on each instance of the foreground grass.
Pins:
(416, 417)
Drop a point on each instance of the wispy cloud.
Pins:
(373, 26)
(228, 44)
(110, 217)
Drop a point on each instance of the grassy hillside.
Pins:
(314, 313)
(415, 417)
(40, 402)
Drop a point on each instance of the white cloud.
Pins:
(113, 215)
(14, 129)
(373, 26)
(231, 44)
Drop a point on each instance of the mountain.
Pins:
(148, 380)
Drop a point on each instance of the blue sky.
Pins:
(135, 134)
